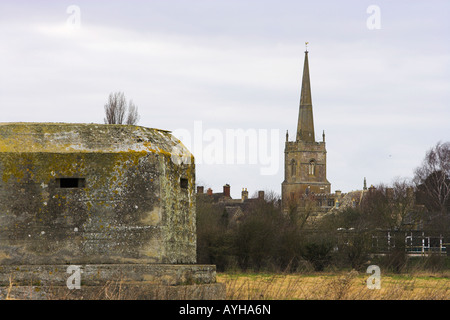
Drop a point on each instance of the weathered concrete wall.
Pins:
(112, 282)
(116, 290)
(97, 275)
(135, 203)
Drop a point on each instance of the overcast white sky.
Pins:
(206, 67)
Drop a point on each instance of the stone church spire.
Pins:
(305, 128)
(305, 159)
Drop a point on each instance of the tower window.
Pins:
(293, 167)
(71, 183)
(312, 168)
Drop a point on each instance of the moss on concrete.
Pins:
(130, 210)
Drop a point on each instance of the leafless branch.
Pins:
(116, 110)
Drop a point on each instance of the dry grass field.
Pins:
(309, 286)
(341, 286)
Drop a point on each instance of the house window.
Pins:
(71, 183)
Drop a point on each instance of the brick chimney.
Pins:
(200, 189)
(226, 190)
(209, 191)
(261, 195)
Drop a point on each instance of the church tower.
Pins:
(305, 167)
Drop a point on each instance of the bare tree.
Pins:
(433, 178)
(391, 207)
(116, 110)
(403, 205)
(301, 209)
(133, 115)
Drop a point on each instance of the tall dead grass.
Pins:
(312, 286)
(343, 286)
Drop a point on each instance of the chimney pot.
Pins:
(244, 194)
(226, 190)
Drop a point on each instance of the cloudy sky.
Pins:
(214, 70)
